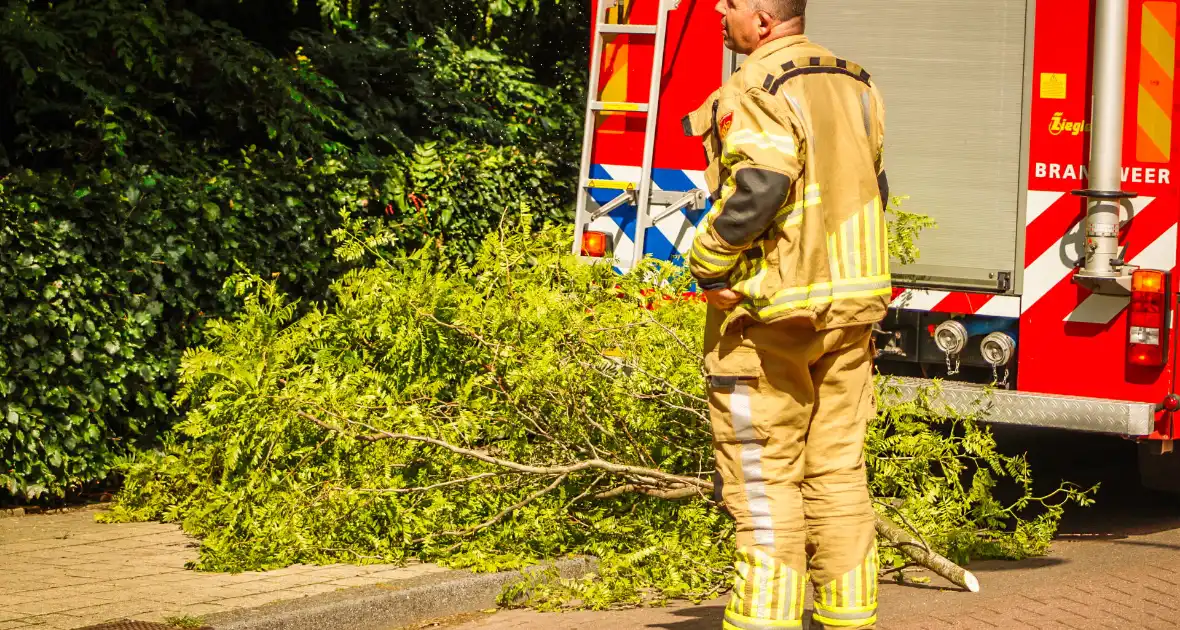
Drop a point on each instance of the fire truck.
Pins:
(1037, 134)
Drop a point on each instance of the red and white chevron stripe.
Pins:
(1053, 241)
(956, 302)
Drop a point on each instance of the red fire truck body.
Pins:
(996, 115)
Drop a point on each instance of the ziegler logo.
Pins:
(1060, 125)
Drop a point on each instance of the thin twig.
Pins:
(506, 511)
(908, 565)
(692, 352)
(586, 493)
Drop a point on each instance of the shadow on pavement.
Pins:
(995, 566)
(1148, 543)
(1122, 508)
(707, 617)
(697, 618)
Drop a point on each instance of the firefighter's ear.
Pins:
(766, 23)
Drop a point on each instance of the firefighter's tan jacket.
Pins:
(795, 140)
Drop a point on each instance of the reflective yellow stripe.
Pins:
(779, 600)
(876, 572)
(792, 214)
(839, 287)
(712, 261)
(621, 107)
(843, 623)
(874, 266)
(760, 139)
(611, 184)
(770, 311)
(752, 277)
(854, 247)
(833, 257)
(797, 601)
(883, 240)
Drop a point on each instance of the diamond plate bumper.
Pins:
(1072, 413)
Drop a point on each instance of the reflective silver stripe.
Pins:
(833, 257)
(851, 249)
(763, 578)
(755, 624)
(755, 486)
(850, 594)
(799, 112)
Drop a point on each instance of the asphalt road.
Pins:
(1114, 565)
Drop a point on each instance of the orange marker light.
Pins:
(594, 244)
(1147, 281)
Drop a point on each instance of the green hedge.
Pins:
(148, 151)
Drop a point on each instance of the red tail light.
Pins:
(595, 244)
(1147, 331)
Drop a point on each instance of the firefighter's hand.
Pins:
(723, 299)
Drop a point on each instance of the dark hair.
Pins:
(784, 9)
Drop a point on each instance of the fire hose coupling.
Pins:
(997, 348)
(951, 337)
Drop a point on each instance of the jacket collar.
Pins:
(774, 46)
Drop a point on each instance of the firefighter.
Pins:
(793, 261)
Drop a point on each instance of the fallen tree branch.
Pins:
(661, 493)
(434, 486)
(587, 464)
(925, 556)
(679, 487)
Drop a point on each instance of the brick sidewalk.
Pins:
(67, 571)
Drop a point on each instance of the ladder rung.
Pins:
(628, 29)
(618, 107)
(611, 184)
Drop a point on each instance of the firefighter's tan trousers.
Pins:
(789, 408)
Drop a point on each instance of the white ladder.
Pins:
(639, 193)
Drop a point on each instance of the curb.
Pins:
(18, 512)
(395, 605)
